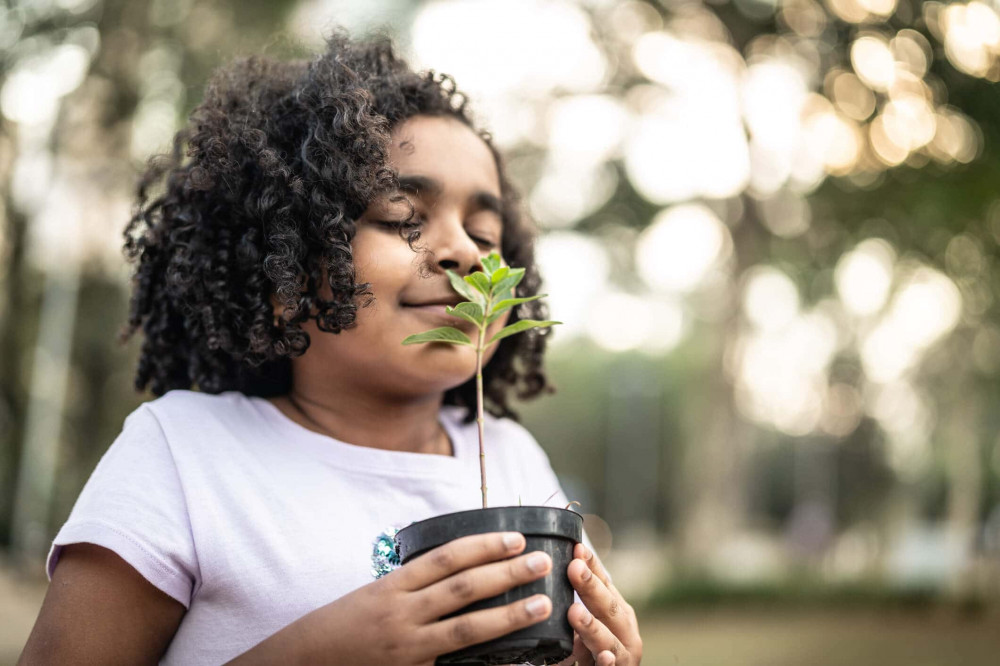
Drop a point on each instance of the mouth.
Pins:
(436, 311)
(450, 300)
(438, 308)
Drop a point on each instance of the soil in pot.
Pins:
(551, 530)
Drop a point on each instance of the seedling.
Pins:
(488, 293)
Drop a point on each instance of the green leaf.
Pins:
(511, 302)
(491, 263)
(502, 306)
(480, 282)
(499, 274)
(443, 334)
(468, 311)
(520, 326)
(464, 289)
(510, 281)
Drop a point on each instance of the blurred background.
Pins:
(771, 227)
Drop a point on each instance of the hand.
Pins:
(396, 619)
(607, 632)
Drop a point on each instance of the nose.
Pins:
(452, 247)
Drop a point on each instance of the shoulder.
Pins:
(192, 427)
(181, 401)
(187, 412)
(156, 431)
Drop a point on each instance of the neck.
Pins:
(365, 420)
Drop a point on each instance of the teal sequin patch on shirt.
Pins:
(384, 556)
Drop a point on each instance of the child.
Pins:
(279, 270)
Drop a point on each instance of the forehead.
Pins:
(447, 151)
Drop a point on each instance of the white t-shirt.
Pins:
(252, 521)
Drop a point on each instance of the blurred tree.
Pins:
(882, 73)
(143, 53)
(848, 87)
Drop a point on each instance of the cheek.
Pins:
(499, 323)
(493, 329)
(386, 261)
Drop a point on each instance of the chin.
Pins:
(444, 366)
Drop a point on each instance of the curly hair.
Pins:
(281, 159)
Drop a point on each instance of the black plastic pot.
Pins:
(551, 530)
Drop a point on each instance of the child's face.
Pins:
(449, 175)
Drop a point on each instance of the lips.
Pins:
(435, 310)
(452, 301)
(430, 307)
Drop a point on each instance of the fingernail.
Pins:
(538, 562)
(587, 618)
(537, 606)
(587, 554)
(511, 540)
(586, 574)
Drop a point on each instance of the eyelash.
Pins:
(418, 223)
(488, 244)
(395, 224)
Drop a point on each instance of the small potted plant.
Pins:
(489, 294)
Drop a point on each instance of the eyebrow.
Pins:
(421, 185)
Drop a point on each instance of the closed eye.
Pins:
(484, 242)
(395, 225)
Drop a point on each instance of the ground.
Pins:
(787, 637)
(726, 636)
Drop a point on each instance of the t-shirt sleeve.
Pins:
(134, 505)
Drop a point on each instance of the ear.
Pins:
(279, 310)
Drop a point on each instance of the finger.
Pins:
(482, 582)
(605, 659)
(581, 655)
(595, 634)
(455, 556)
(595, 564)
(607, 604)
(483, 625)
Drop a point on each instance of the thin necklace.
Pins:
(302, 412)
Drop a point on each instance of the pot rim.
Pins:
(537, 521)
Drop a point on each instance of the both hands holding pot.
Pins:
(404, 617)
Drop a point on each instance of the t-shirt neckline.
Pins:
(355, 456)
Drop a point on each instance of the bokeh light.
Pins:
(689, 140)
(31, 91)
(925, 306)
(560, 256)
(774, 222)
(972, 38)
(516, 61)
(872, 60)
(770, 298)
(680, 246)
(864, 275)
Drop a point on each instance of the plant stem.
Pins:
(479, 406)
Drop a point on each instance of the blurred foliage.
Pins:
(711, 469)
